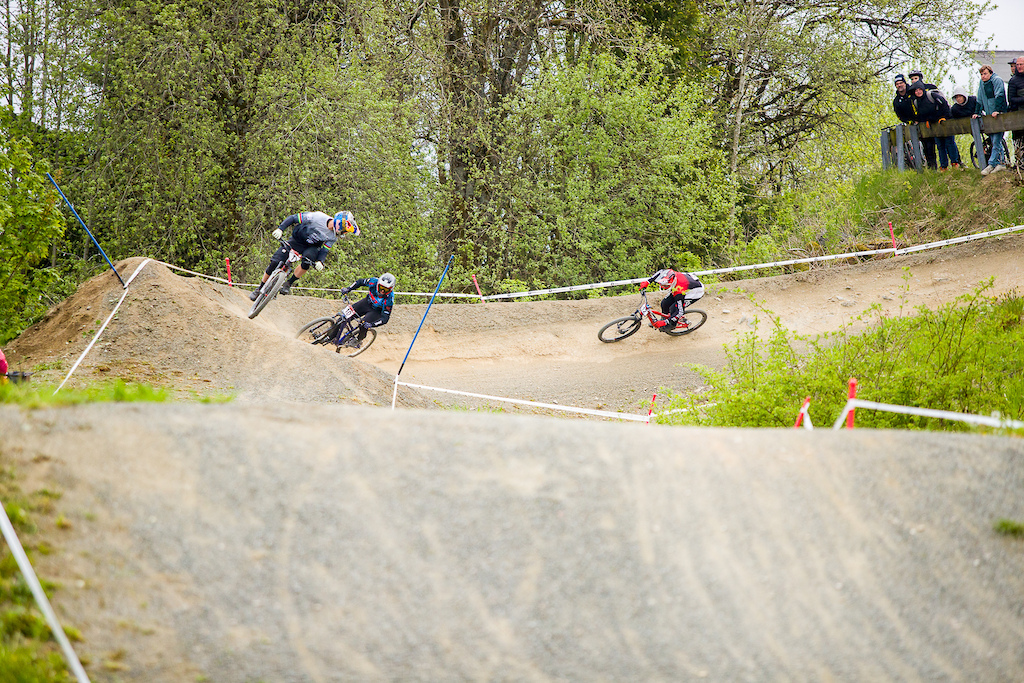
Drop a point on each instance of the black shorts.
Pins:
(309, 254)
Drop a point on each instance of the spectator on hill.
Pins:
(931, 107)
(3, 366)
(964, 105)
(902, 104)
(992, 98)
(1015, 101)
(927, 143)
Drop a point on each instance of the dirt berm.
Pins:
(336, 543)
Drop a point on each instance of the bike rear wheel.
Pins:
(270, 289)
(689, 321)
(317, 331)
(619, 329)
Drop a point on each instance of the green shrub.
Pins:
(963, 358)
(23, 665)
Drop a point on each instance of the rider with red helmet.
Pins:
(685, 288)
(314, 233)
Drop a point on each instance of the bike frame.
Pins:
(646, 310)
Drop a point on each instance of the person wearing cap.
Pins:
(992, 98)
(902, 105)
(916, 77)
(313, 234)
(1015, 102)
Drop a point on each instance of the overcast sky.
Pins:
(1005, 24)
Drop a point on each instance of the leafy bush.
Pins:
(24, 665)
(963, 357)
(37, 395)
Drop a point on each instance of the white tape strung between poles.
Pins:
(633, 281)
(11, 536)
(774, 264)
(551, 406)
(926, 412)
(100, 331)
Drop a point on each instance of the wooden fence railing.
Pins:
(901, 145)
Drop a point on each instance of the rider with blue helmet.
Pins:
(313, 233)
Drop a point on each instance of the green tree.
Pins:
(610, 173)
(29, 222)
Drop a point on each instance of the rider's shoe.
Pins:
(254, 294)
(286, 289)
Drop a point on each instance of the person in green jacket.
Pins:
(992, 99)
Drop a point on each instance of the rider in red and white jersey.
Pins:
(685, 289)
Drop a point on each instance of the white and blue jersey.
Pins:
(375, 300)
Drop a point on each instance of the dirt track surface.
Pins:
(304, 533)
(323, 543)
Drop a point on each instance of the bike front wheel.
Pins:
(269, 291)
(317, 331)
(690, 321)
(371, 336)
(619, 329)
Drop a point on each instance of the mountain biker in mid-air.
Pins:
(314, 233)
(375, 307)
(685, 289)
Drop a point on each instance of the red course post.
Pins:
(895, 251)
(228, 264)
(803, 410)
(851, 394)
(478, 288)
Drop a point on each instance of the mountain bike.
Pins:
(269, 289)
(15, 377)
(339, 329)
(616, 330)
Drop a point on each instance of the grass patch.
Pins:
(31, 395)
(1008, 527)
(962, 358)
(28, 652)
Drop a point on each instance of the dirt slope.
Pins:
(191, 334)
(303, 534)
(277, 543)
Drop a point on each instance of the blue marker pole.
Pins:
(123, 285)
(394, 394)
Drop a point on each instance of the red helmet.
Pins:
(665, 277)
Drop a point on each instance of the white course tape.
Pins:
(633, 281)
(100, 331)
(774, 264)
(11, 536)
(926, 412)
(551, 406)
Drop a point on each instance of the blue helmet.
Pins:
(345, 222)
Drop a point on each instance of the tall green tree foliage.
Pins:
(218, 119)
(480, 56)
(29, 223)
(608, 173)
